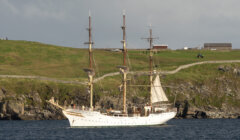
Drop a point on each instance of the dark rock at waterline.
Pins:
(10, 110)
(200, 115)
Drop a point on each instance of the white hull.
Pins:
(83, 118)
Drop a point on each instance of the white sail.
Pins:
(158, 95)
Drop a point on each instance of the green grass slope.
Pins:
(33, 58)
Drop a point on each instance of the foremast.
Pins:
(123, 69)
(90, 69)
(124, 39)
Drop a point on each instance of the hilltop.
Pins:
(212, 88)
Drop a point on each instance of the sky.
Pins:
(177, 23)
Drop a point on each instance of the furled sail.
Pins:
(158, 95)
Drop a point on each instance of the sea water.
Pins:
(174, 129)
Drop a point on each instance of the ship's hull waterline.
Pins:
(83, 118)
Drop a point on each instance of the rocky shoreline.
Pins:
(16, 110)
(187, 112)
(15, 107)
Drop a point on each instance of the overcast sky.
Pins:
(177, 23)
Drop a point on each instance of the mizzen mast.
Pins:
(90, 69)
(150, 64)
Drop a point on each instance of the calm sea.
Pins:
(175, 129)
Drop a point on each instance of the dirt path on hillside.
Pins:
(170, 72)
(198, 63)
(116, 73)
(41, 78)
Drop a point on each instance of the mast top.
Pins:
(89, 13)
(124, 12)
(124, 39)
(90, 42)
(150, 38)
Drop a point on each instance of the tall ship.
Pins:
(157, 111)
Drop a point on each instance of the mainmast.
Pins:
(123, 69)
(150, 40)
(90, 70)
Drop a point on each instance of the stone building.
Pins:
(218, 46)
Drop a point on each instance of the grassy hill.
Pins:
(33, 58)
(202, 85)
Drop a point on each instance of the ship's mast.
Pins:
(124, 39)
(90, 70)
(150, 40)
(124, 69)
(150, 64)
(90, 41)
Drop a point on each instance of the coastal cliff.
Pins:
(210, 98)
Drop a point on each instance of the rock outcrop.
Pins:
(26, 107)
(17, 110)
